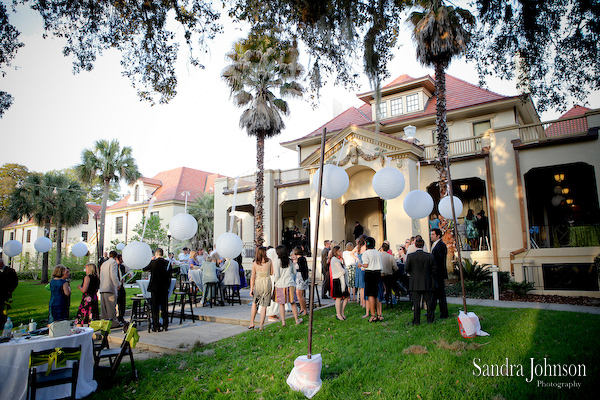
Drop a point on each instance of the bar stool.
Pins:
(138, 309)
(231, 292)
(181, 297)
(212, 291)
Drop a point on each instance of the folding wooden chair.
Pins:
(57, 373)
(102, 326)
(116, 355)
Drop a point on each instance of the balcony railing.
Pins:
(296, 175)
(556, 129)
(456, 148)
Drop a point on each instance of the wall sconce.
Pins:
(570, 202)
(464, 187)
(566, 190)
(559, 177)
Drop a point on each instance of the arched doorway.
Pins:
(369, 213)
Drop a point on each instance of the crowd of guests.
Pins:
(359, 273)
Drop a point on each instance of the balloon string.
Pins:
(340, 153)
(232, 213)
(419, 175)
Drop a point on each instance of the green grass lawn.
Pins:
(363, 360)
(31, 299)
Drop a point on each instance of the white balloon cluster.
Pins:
(79, 249)
(183, 226)
(335, 181)
(229, 245)
(137, 255)
(418, 204)
(12, 248)
(388, 183)
(445, 207)
(43, 244)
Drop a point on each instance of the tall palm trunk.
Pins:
(259, 197)
(103, 217)
(442, 129)
(442, 149)
(58, 242)
(45, 257)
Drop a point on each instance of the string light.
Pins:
(21, 183)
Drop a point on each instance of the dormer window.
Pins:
(383, 109)
(396, 106)
(412, 102)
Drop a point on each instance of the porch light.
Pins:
(13, 248)
(418, 204)
(464, 187)
(559, 177)
(565, 190)
(80, 250)
(445, 207)
(43, 244)
(570, 202)
(136, 255)
(410, 131)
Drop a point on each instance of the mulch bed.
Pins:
(539, 298)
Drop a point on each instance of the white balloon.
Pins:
(183, 226)
(229, 245)
(43, 244)
(418, 204)
(79, 249)
(12, 248)
(388, 183)
(556, 200)
(137, 255)
(335, 181)
(120, 246)
(445, 207)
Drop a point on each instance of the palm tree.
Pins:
(36, 198)
(70, 210)
(203, 211)
(108, 163)
(260, 64)
(440, 33)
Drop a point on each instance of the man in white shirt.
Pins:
(372, 265)
(185, 256)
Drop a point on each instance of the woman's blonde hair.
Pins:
(59, 271)
(93, 268)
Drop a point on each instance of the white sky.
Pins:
(55, 114)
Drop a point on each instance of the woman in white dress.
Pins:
(285, 287)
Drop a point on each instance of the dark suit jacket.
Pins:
(422, 270)
(440, 251)
(160, 278)
(324, 266)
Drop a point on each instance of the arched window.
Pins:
(136, 193)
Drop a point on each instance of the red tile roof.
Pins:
(151, 181)
(95, 208)
(16, 223)
(459, 94)
(175, 182)
(578, 125)
(399, 80)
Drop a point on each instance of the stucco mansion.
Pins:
(537, 182)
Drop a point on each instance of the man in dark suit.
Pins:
(439, 252)
(422, 270)
(8, 284)
(160, 281)
(325, 269)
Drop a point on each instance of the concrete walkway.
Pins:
(219, 322)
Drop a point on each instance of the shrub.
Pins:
(472, 271)
(520, 288)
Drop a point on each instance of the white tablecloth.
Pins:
(143, 284)
(194, 275)
(14, 366)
